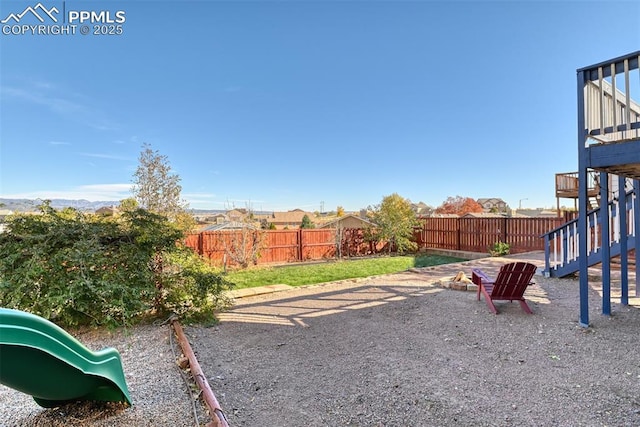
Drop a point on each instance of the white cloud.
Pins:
(103, 156)
(106, 187)
(55, 104)
(74, 107)
(43, 85)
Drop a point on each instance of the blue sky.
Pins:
(277, 105)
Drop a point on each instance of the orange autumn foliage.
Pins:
(459, 206)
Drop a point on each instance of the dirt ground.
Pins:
(398, 351)
(395, 350)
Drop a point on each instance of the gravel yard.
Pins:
(395, 350)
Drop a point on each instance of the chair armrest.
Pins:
(478, 277)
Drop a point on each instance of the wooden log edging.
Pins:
(217, 415)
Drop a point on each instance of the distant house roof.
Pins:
(421, 208)
(229, 225)
(492, 200)
(348, 221)
(218, 218)
(108, 210)
(491, 203)
(441, 215)
(536, 213)
(236, 214)
(425, 212)
(482, 215)
(289, 219)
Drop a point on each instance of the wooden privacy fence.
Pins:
(277, 246)
(479, 234)
(464, 234)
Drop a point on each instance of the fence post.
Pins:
(504, 229)
(300, 245)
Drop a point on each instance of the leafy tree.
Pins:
(459, 206)
(339, 211)
(243, 247)
(77, 268)
(156, 188)
(266, 225)
(395, 220)
(306, 222)
(129, 204)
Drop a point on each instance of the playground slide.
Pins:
(41, 359)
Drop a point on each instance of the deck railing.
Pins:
(611, 114)
(561, 244)
(567, 184)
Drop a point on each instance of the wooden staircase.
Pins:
(561, 244)
(608, 142)
(567, 188)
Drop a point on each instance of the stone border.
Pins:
(464, 284)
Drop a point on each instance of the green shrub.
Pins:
(195, 289)
(499, 249)
(75, 268)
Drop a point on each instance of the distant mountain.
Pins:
(30, 205)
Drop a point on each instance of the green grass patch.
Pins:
(301, 274)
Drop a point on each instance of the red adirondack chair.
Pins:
(510, 284)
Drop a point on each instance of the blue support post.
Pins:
(583, 160)
(624, 260)
(547, 255)
(636, 230)
(565, 247)
(606, 243)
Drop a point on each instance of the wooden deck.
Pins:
(567, 188)
(610, 115)
(608, 142)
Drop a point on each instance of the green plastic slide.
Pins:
(41, 359)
